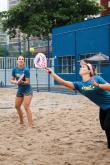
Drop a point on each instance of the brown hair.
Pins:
(20, 56)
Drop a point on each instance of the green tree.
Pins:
(3, 51)
(38, 17)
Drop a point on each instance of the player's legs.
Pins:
(27, 101)
(18, 103)
(107, 127)
(105, 123)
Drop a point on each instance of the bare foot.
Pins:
(21, 124)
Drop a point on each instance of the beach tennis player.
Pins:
(99, 96)
(21, 77)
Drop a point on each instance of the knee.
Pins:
(17, 106)
(26, 107)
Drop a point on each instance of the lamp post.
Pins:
(5, 65)
(5, 53)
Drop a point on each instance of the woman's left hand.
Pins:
(95, 84)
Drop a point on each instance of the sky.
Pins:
(3, 5)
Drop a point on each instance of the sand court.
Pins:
(66, 131)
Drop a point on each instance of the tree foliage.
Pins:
(38, 17)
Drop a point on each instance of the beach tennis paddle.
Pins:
(40, 61)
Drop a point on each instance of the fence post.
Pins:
(5, 53)
(48, 64)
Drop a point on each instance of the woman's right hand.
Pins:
(19, 82)
(49, 70)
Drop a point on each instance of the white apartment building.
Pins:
(4, 39)
(3, 35)
(12, 3)
(14, 42)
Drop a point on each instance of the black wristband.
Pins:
(49, 72)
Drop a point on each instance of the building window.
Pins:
(66, 64)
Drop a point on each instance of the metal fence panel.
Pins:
(37, 76)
